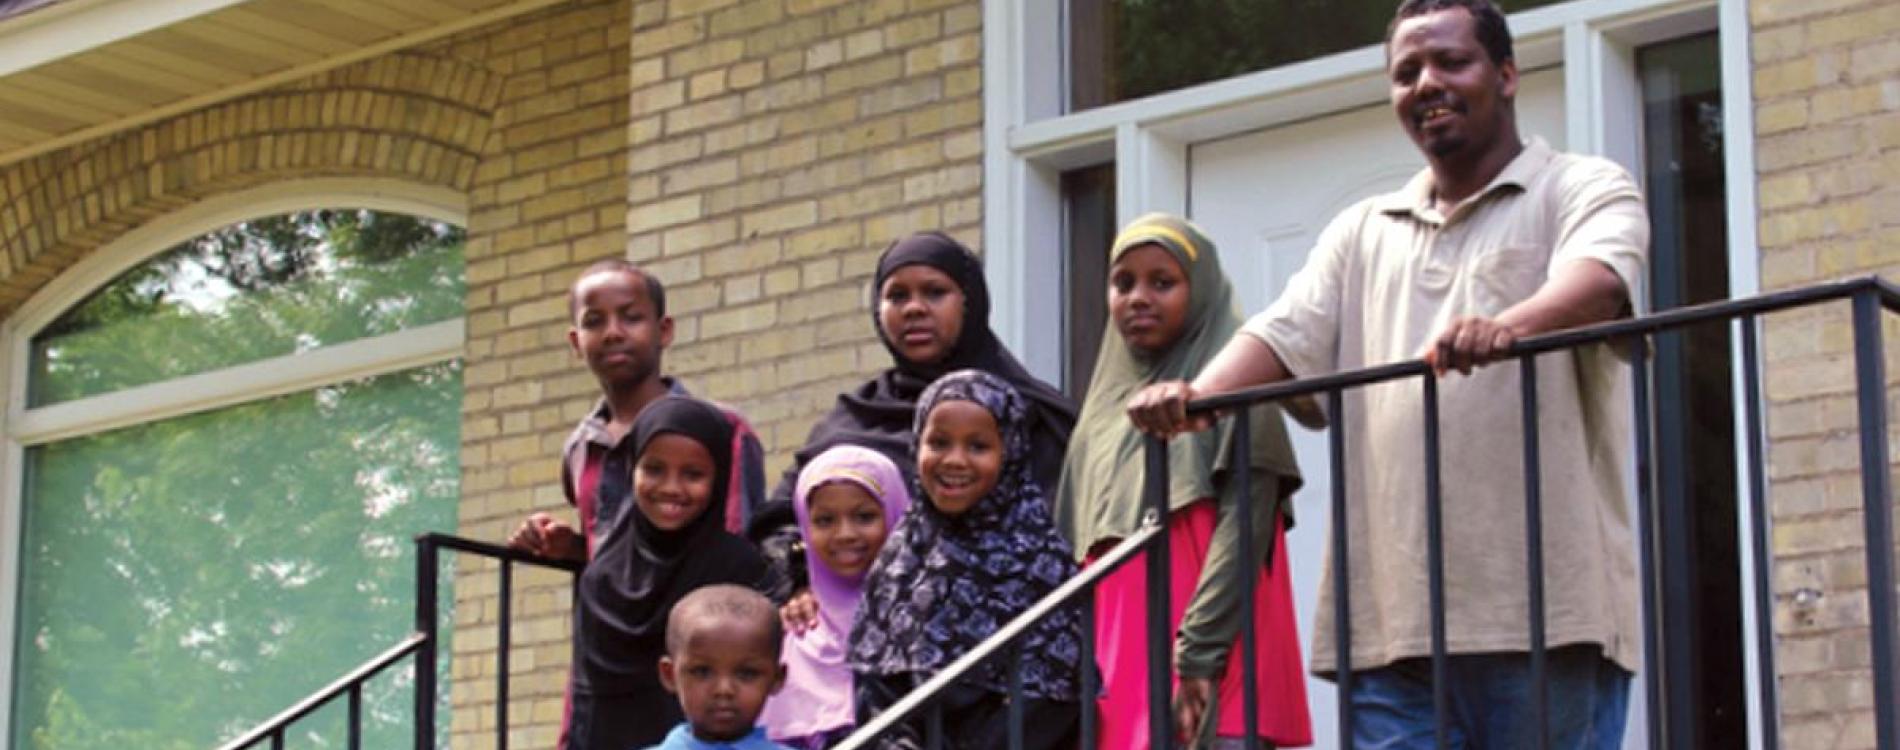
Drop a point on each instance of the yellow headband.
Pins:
(1146, 232)
(845, 473)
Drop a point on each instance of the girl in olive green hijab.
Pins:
(1171, 309)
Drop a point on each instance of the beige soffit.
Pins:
(75, 70)
(11, 8)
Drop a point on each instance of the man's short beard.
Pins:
(1444, 147)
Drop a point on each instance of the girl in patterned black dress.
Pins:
(979, 552)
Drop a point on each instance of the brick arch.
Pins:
(416, 117)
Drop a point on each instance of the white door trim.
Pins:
(1028, 143)
(1744, 279)
(1028, 147)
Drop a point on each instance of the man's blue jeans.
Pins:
(1492, 703)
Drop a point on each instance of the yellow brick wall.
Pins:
(550, 199)
(1827, 110)
(777, 146)
(765, 152)
(757, 155)
(419, 116)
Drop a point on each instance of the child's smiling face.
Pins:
(672, 481)
(847, 527)
(959, 455)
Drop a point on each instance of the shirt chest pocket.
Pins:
(1506, 276)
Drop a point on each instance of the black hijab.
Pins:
(878, 414)
(639, 572)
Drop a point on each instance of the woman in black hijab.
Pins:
(932, 311)
(652, 556)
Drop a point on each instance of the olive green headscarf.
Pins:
(1099, 497)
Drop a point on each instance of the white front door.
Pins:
(1263, 197)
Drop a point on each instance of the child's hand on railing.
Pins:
(800, 612)
(1191, 699)
(547, 536)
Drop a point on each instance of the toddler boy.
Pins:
(722, 660)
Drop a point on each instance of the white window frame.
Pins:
(21, 427)
(1029, 142)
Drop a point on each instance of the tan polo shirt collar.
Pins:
(1415, 199)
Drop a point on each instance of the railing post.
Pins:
(1087, 679)
(425, 654)
(1646, 523)
(1435, 566)
(1676, 550)
(1160, 635)
(933, 727)
(1769, 721)
(1534, 550)
(1877, 502)
(1342, 570)
(1016, 696)
(1240, 464)
(504, 636)
(356, 717)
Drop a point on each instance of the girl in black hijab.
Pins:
(667, 542)
(878, 414)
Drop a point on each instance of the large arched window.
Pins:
(217, 455)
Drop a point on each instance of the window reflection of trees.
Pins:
(192, 576)
(181, 580)
(249, 291)
(1153, 46)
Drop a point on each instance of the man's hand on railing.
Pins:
(1161, 410)
(1580, 292)
(547, 536)
(1470, 341)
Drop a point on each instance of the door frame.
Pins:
(1029, 142)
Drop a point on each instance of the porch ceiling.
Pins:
(75, 70)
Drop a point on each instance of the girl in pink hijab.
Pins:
(847, 500)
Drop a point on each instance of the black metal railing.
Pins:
(1868, 297)
(350, 685)
(422, 645)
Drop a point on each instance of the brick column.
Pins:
(1827, 111)
(777, 147)
(548, 199)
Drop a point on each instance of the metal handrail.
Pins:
(1870, 294)
(496, 551)
(421, 643)
(1570, 338)
(350, 682)
(1150, 529)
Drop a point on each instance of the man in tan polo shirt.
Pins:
(1498, 239)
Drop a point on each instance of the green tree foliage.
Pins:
(1162, 45)
(188, 578)
(185, 579)
(253, 290)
